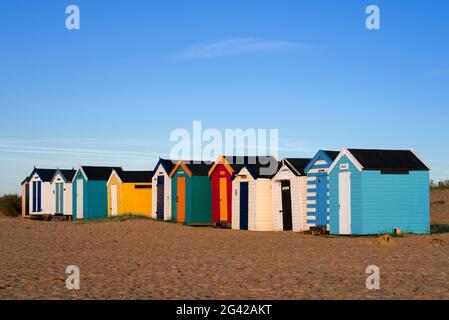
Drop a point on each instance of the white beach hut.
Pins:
(161, 197)
(252, 205)
(289, 187)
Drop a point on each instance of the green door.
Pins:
(59, 198)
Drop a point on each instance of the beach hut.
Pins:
(26, 197)
(129, 192)
(90, 194)
(252, 206)
(61, 192)
(378, 191)
(289, 195)
(191, 193)
(318, 189)
(161, 198)
(221, 174)
(41, 192)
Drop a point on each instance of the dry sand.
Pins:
(143, 259)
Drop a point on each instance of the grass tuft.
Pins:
(439, 228)
(438, 202)
(122, 218)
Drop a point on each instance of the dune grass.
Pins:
(11, 205)
(441, 185)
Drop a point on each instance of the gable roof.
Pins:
(193, 168)
(256, 166)
(227, 161)
(98, 173)
(167, 164)
(381, 159)
(376, 159)
(135, 176)
(44, 174)
(297, 165)
(67, 175)
(330, 156)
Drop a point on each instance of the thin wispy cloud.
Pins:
(237, 46)
(78, 153)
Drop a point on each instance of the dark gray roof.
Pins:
(167, 164)
(297, 164)
(199, 169)
(256, 166)
(26, 180)
(45, 174)
(377, 159)
(99, 173)
(135, 176)
(332, 154)
(68, 174)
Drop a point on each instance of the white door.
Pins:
(79, 199)
(114, 200)
(344, 198)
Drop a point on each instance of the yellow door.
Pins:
(223, 199)
(181, 200)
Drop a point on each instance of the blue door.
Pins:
(37, 200)
(243, 205)
(39, 196)
(160, 198)
(321, 201)
(34, 196)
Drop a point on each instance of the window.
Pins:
(141, 187)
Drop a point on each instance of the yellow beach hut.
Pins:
(130, 192)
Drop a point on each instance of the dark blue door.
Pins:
(39, 196)
(34, 196)
(243, 205)
(321, 201)
(160, 198)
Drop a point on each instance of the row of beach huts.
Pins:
(351, 192)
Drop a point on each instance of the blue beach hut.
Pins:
(378, 191)
(90, 194)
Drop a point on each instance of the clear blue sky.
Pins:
(112, 92)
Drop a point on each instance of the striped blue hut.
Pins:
(318, 188)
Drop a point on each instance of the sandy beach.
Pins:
(144, 259)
